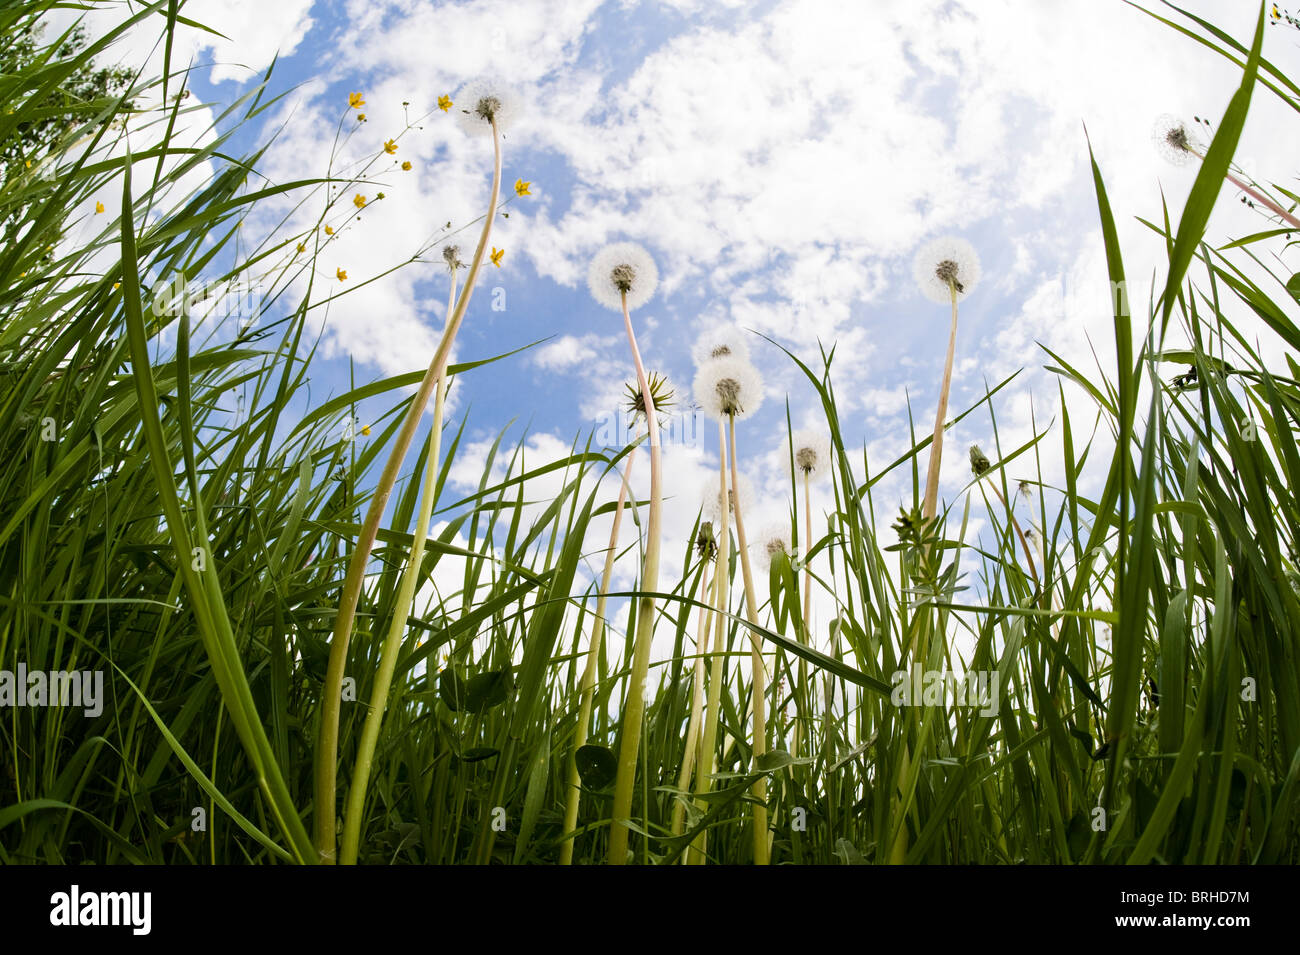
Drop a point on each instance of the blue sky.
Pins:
(781, 160)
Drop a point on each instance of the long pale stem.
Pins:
(1256, 195)
(593, 665)
(695, 855)
(758, 686)
(327, 738)
(800, 691)
(634, 704)
(355, 805)
(708, 586)
(936, 445)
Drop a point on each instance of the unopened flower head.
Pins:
(484, 102)
(623, 268)
(944, 265)
(706, 544)
(979, 462)
(774, 540)
(1173, 140)
(721, 342)
(728, 386)
(742, 493)
(812, 454)
(451, 255)
(662, 394)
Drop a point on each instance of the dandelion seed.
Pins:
(342, 275)
(1172, 140)
(99, 207)
(728, 386)
(979, 462)
(774, 540)
(390, 147)
(944, 265)
(490, 101)
(721, 342)
(496, 256)
(356, 100)
(406, 165)
(521, 188)
(444, 103)
(359, 200)
(812, 454)
(622, 269)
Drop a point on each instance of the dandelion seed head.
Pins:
(944, 264)
(774, 540)
(623, 268)
(485, 101)
(728, 386)
(812, 454)
(742, 493)
(451, 255)
(721, 342)
(1172, 139)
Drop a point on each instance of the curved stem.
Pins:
(634, 704)
(327, 738)
(589, 674)
(356, 798)
(936, 445)
(758, 688)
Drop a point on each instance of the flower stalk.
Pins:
(327, 739)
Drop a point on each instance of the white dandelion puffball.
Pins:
(774, 540)
(728, 386)
(721, 342)
(812, 454)
(742, 493)
(943, 264)
(481, 102)
(1173, 140)
(622, 268)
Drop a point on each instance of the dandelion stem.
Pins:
(722, 597)
(634, 704)
(930, 506)
(708, 586)
(327, 740)
(758, 688)
(589, 674)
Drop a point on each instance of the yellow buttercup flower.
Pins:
(521, 188)
(329, 230)
(358, 200)
(99, 207)
(356, 100)
(496, 256)
(361, 117)
(302, 246)
(342, 275)
(390, 147)
(366, 430)
(406, 164)
(444, 103)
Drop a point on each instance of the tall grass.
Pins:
(178, 512)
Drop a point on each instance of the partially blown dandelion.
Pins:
(724, 341)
